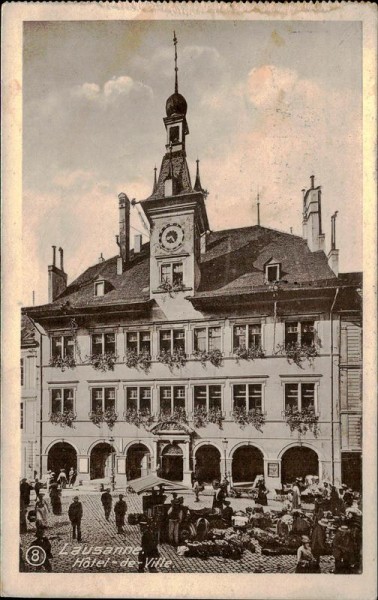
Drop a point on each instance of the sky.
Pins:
(269, 104)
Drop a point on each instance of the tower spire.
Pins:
(176, 68)
(155, 180)
(197, 185)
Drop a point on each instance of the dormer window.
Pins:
(272, 272)
(172, 274)
(99, 288)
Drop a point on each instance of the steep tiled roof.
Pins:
(235, 259)
(233, 263)
(180, 173)
(27, 333)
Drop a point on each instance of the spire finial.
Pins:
(258, 208)
(155, 180)
(197, 185)
(176, 68)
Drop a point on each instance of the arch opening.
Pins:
(207, 464)
(138, 461)
(172, 463)
(299, 461)
(247, 463)
(61, 456)
(101, 461)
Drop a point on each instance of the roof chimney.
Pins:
(312, 217)
(101, 259)
(137, 243)
(333, 255)
(57, 277)
(124, 229)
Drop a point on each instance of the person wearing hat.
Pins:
(43, 542)
(41, 511)
(348, 498)
(38, 485)
(107, 501)
(296, 502)
(342, 549)
(318, 539)
(174, 520)
(75, 514)
(62, 479)
(218, 499)
(149, 547)
(306, 562)
(25, 489)
(120, 509)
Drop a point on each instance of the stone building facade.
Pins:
(202, 352)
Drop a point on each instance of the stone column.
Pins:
(187, 479)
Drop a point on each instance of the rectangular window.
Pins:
(172, 397)
(247, 396)
(247, 336)
(22, 371)
(172, 339)
(207, 339)
(102, 399)
(208, 397)
(138, 341)
(22, 415)
(138, 398)
(272, 273)
(103, 343)
(299, 396)
(99, 288)
(62, 399)
(300, 332)
(62, 346)
(172, 273)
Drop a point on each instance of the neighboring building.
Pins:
(29, 362)
(242, 326)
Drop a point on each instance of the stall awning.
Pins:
(150, 481)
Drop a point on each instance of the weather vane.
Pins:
(176, 68)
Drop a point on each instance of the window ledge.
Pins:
(183, 289)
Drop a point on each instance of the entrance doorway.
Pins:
(247, 463)
(138, 461)
(172, 463)
(101, 461)
(299, 462)
(61, 456)
(207, 465)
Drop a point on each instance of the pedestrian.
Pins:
(41, 511)
(75, 514)
(262, 493)
(335, 504)
(174, 520)
(120, 509)
(342, 548)
(38, 485)
(49, 479)
(296, 503)
(301, 526)
(218, 498)
(43, 542)
(348, 498)
(23, 521)
(107, 501)
(197, 488)
(318, 539)
(306, 562)
(55, 499)
(224, 485)
(149, 553)
(284, 524)
(62, 479)
(25, 489)
(71, 474)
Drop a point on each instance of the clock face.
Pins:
(171, 236)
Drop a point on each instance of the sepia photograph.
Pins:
(191, 307)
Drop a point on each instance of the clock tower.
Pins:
(175, 210)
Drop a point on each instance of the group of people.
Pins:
(337, 517)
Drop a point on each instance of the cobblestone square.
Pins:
(96, 531)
